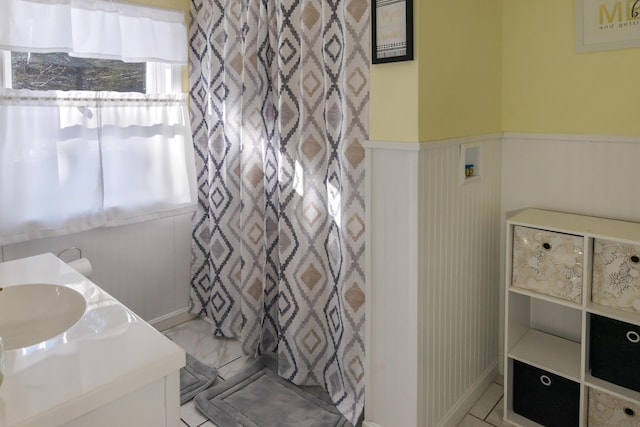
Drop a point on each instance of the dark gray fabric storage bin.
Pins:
(614, 349)
(545, 398)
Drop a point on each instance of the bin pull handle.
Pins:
(545, 380)
(633, 336)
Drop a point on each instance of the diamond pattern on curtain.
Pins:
(279, 98)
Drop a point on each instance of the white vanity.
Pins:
(108, 368)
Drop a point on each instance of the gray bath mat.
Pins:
(195, 376)
(258, 397)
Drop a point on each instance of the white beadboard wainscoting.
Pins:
(583, 174)
(146, 266)
(432, 280)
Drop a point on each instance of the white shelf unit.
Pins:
(552, 333)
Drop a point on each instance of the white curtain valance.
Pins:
(94, 29)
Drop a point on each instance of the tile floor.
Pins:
(488, 410)
(226, 354)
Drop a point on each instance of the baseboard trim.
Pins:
(170, 320)
(453, 417)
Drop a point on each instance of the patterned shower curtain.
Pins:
(279, 99)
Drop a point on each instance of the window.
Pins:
(94, 127)
(60, 71)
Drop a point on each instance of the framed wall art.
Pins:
(607, 24)
(392, 31)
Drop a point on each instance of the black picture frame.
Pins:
(391, 35)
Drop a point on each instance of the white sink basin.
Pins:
(33, 313)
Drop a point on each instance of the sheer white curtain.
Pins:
(72, 160)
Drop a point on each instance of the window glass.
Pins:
(59, 71)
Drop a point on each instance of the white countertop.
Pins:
(108, 353)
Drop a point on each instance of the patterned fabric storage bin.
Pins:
(545, 398)
(616, 275)
(615, 351)
(547, 262)
(606, 410)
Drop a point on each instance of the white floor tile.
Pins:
(485, 404)
(196, 338)
(499, 379)
(471, 421)
(190, 415)
(496, 416)
(232, 368)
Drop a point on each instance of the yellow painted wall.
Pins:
(460, 68)
(452, 88)
(393, 102)
(549, 88)
(486, 66)
(395, 91)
